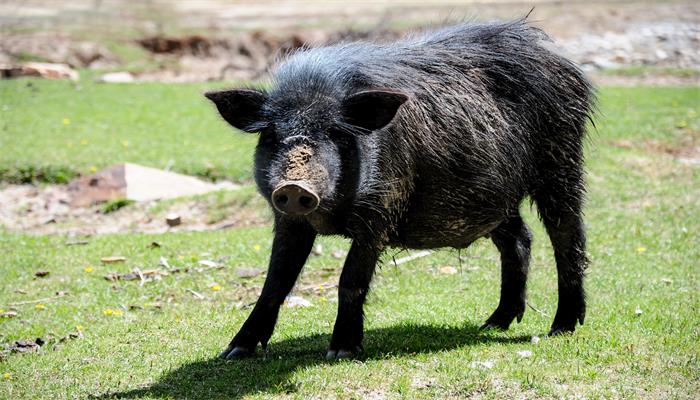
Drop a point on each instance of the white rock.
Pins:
(296, 301)
(138, 183)
(604, 63)
(208, 263)
(488, 364)
(535, 340)
(116, 77)
(525, 353)
(49, 70)
(173, 220)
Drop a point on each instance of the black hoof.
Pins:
(501, 320)
(560, 332)
(332, 355)
(236, 353)
(561, 328)
(565, 320)
(492, 326)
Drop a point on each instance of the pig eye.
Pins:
(333, 133)
(337, 135)
(268, 136)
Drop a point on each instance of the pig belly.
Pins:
(438, 218)
(431, 234)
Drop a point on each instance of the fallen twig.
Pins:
(77, 243)
(138, 272)
(44, 300)
(536, 310)
(196, 294)
(412, 257)
(154, 274)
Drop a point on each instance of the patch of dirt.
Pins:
(687, 151)
(245, 56)
(659, 43)
(650, 79)
(249, 55)
(193, 45)
(241, 40)
(55, 48)
(46, 210)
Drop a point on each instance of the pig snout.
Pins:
(294, 198)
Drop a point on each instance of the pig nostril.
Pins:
(294, 199)
(282, 199)
(306, 201)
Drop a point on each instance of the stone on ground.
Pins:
(137, 183)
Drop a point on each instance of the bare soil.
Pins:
(222, 40)
(687, 151)
(47, 210)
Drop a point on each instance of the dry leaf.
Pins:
(154, 273)
(164, 262)
(146, 275)
(338, 253)
(112, 276)
(248, 272)
(8, 314)
(77, 243)
(112, 259)
(448, 269)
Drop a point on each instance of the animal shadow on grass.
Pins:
(270, 372)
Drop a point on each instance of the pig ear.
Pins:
(372, 109)
(240, 107)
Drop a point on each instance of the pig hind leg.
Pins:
(512, 238)
(559, 199)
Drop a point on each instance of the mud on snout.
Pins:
(301, 183)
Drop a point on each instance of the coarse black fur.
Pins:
(429, 142)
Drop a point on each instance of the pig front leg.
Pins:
(352, 291)
(291, 247)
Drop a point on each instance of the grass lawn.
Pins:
(52, 129)
(160, 340)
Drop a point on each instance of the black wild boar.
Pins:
(432, 141)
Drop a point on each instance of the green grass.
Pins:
(646, 70)
(84, 126)
(114, 205)
(421, 336)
